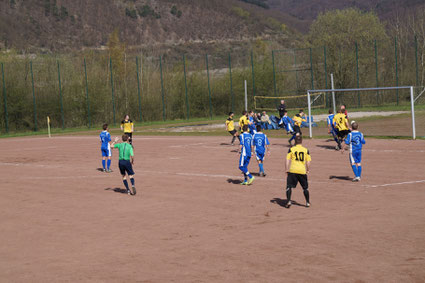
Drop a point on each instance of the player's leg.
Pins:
(122, 166)
(104, 156)
(109, 159)
(233, 133)
(353, 166)
(130, 173)
(357, 155)
(291, 182)
(304, 184)
(243, 169)
(249, 175)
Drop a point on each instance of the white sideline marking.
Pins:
(29, 165)
(395, 184)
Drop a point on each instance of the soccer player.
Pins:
(245, 151)
(288, 122)
(243, 120)
(230, 126)
(298, 162)
(105, 148)
(331, 128)
(260, 145)
(355, 140)
(251, 122)
(126, 160)
(298, 119)
(128, 127)
(341, 124)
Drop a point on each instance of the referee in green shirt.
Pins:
(126, 160)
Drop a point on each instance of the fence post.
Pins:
(209, 86)
(296, 71)
(6, 116)
(253, 73)
(138, 88)
(416, 60)
(60, 95)
(376, 71)
(112, 88)
(185, 87)
(396, 66)
(357, 74)
(33, 98)
(162, 88)
(274, 75)
(87, 93)
(326, 75)
(311, 69)
(231, 83)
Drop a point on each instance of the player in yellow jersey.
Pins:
(243, 120)
(128, 127)
(298, 120)
(230, 127)
(298, 162)
(341, 125)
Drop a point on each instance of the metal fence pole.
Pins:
(274, 75)
(60, 95)
(231, 83)
(6, 116)
(311, 69)
(33, 98)
(138, 88)
(396, 66)
(185, 87)
(209, 86)
(416, 60)
(296, 71)
(326, 74)
(357, 74)
(87, 93)
(376, 71)
(162, 88)
(253, 73)
(112, 88)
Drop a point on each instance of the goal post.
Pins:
(311, 93)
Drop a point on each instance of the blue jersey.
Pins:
(105, 138)
(259, 141)
(356, 141)
(246, 142)
(287, 122)
(330, 121)
(251, 125)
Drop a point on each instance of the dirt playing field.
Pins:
(191, 221)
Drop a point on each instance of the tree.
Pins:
(340, 31)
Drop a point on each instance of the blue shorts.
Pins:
(125, 166)
(260, 155)
(356, 156)
(106, 152)
(244, 162)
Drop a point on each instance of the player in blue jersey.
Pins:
(105, 148)
(355, 140)
(332, 130)
(245, 151)
(251, 122)
(260, 146)
(288, 123)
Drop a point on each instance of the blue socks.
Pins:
(355, 170)
(249, 175)
(104, 164)
(109, 164)
(359, 171)
(132, 182)
(125, 184)
(261, 167)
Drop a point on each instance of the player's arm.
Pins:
(114, 142)
(288, 161)
(132, 127)
(308, 166)
(132, 156)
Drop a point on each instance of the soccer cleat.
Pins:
(104, 170)
(264, 174)
(244, 183)
(129, 192)
(307, 204)
(109, 171)
(356, 179)
(134, 190)
(336, 147)
(250, 180)
(288, 204)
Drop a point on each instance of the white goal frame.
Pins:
(412, 101)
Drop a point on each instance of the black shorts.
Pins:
(342, 134)
(125, 166)
(297, 129)
(232, 132)
(293, 179)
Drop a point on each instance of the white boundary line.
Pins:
(395, 184)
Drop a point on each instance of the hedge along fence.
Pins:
(85, 91)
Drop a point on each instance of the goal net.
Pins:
(295, 102)
(382, 111)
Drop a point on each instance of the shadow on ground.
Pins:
(326, 146)
(283, 202)
(117, 190)
(345, 178)
(233, 181)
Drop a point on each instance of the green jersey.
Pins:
(125, 149)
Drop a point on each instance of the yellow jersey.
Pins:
(298, 120)
(340, 121)
(243, 121)
(298, 155)
(230, 125)
(127, 126)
